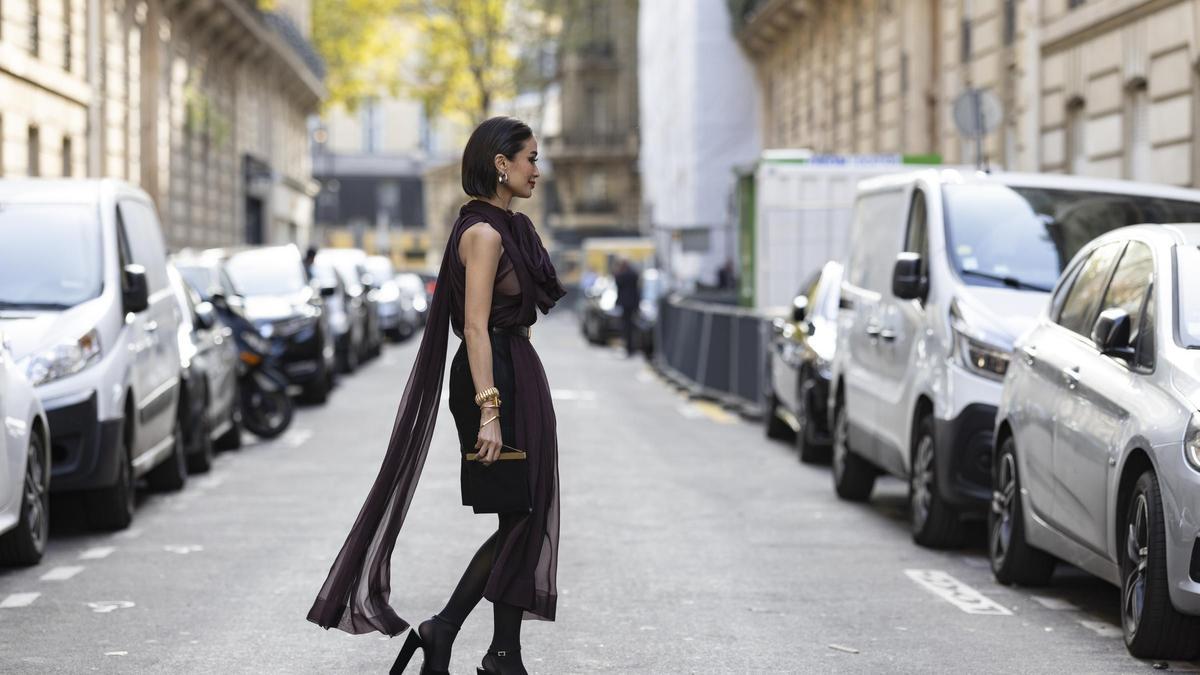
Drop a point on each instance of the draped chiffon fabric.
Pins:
(356, 594)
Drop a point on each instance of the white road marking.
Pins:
(840, 648)
(116, 653)
(572, 394)
(183, 549)
(956, 592)
(209, 482)
(296, 438)
(97, 553)
(18, 600)
(1103, 629)
(106, 606)
(1054, 603)
(132, 533)
(688, 411)
(62, 573)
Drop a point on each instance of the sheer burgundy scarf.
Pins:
(355, 595)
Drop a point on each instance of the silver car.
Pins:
(1097, 456)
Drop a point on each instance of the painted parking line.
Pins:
(714, 412)
(97, 553)
(1103, 628)
(1054, 603)
(62, 573)
(956, 592)
(296, 438)
(18, 600)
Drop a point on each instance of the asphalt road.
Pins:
(691, 544)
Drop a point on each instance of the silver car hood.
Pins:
(1003, 312)
(30, 331)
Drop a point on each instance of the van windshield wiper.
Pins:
(1011, 282)
(5, 304)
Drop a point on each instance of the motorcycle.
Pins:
(267, 408)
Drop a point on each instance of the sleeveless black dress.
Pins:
(355, 595)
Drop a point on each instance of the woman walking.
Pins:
(495, 275)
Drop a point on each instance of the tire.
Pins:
(348, 360)
(1013, 560)
(232, 438)
(111, 508)
(809, 451)
(774, 427)
(200, 447)
(1153, 628)
(24, 544)
(317, 391)
(853, 476)
(171, 474)
(935, 524)
(278, 406)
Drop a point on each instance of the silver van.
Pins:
(86, 304)
(945, 269)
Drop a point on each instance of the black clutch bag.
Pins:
(499, 487)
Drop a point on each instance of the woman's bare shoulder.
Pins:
(479, 238)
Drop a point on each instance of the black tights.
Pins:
(506, 631)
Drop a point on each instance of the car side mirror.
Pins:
(1112, 331)
(328, 291)
(205, 318)
(217, 299)
(908, 283)
(799, 308)
(135, 293)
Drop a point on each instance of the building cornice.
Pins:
(19, 64)
(1091, 19)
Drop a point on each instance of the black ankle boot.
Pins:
(435, 636)
(502, 662)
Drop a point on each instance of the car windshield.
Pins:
(325, 275)
(203, 279)
(30, 276)
(1023, 237)
(266, 272)
(1187, 271)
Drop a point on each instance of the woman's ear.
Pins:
(501, 163)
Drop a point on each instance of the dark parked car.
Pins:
(345, 312)
(272, 290)
(351, 262)
(798, 373)
(208, 403)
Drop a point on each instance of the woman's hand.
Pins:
(489, 442)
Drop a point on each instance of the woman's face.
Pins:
(521, 169)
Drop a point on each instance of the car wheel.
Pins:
(775, 427)
(25, 543)
(1013, 560)
(809, 451)
(232, 438)
(200, 455)
(1153, 628)
(171, 474)
(317, 391)
(935, 524)
(111, 508)
(853, 476)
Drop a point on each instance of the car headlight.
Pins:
(1191, 442)
(388, 293)
(63, 359)
(420, 303)
(608, 300)
(975, 353)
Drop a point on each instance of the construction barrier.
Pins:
(713, 350)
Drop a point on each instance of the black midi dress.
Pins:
(356, 594)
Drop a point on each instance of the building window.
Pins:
(1076, 138)
(33, 146)
(1010, 21)
(35, 18)
(1072, 4)
(1137, 134)
(67, 156)
(67, 55)
(370, 127)
(966, 41)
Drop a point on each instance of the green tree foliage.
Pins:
(362, 52)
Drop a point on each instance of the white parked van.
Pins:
(945, 269)
(86, 305)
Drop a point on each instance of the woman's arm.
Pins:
(479, 249)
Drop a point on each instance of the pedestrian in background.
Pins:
(495, 276)
(629, 297)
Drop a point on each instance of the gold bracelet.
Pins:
(490, 420)
(487, 394)
(489, 405)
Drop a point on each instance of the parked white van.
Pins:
(86, 305)
(945, 269)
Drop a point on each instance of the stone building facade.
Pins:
(595, 152)
(1095, 87)
(217, 135)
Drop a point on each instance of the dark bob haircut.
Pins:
(496, 136)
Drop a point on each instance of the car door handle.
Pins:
(1071, 377)
(887, 334)
(873, 331)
